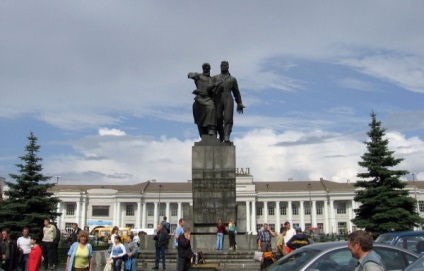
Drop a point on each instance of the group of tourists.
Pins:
(122, 254)
(286, 241)
(30, 252)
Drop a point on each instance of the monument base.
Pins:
(213, 184)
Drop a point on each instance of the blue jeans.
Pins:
(117, 264)
(160, 253)
(219, 238)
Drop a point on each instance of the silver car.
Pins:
(335, 256)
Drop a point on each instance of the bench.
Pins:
(205, 266)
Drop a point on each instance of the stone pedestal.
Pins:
(214, 183)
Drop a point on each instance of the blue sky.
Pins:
(103, 85)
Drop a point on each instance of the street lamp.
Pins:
(310, 202)
(57, 179)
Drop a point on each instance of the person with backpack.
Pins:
(167, 228)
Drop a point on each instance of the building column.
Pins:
(326, 217)
(277, 216)
(314, 214)
(254, 217)
(351, 214)
(138, 216)
(290, 212)
(59, 218)
(167, 212)
(179, 211)
(265, 212)
(332, 217)
(78, 212)
(144, 216)
(248, 216)
(155, 215)
(302, 215)
(84, 211)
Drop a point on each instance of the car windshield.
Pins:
(418, 265)
(294, 261)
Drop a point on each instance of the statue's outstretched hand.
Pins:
(240, 107)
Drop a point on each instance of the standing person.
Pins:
(49, 234)
(184, 250)
(232, 234)
(132, 252)
(290, 232)
(220, 230)
(117, 253)
(264, 238)
(36, 254)
(160, 238)
(280, 244)
(178, 231)
(24, 247)
(224, 102)
(360, 244)
(298, 240)
(74, 234)
(56, 241)
(8, 252)
(167, 227)
(80, 254)
(114, 232)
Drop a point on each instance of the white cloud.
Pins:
(270, 156)
(111, 132)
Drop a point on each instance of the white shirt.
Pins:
(24, 243)
(289, 234)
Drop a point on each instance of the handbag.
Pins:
(258, 256)
(128, 264)
(108, 266)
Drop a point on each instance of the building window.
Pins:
(272, 226)
(307, 209)
(320, 226)
(295, 225)
(131, 226)
(100, 211)
(319, 208)
(259, 210)
(129, 210)
(421, 206)
(307, 225)
(173, 227)
(283, 209)
(341, 208)
(150, 226)
(68, 227)
(295, 210)
(259, 226)
(174, 211)
(271, 210)
(342, 227)
(162, 212)
(150, 211)
(70, 208)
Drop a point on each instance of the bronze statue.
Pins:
(224, 103)
(203, 107)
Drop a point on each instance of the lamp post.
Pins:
(310, 202)
(57, 179)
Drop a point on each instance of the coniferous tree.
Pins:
(384, 204)
(28, 200)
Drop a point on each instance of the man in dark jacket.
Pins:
(298, 240)
(160, 244)
(8, 252)
(184, 250)
(74, 234)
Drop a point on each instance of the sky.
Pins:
(103, 85)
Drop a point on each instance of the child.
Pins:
(34, 258)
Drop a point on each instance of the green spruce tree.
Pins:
(28, 200)
(384, 203)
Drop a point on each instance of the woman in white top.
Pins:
(117, 253)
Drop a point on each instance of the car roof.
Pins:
(402, 233)
(340, 244)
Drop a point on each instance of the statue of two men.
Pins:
(213, 106)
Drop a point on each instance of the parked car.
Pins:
(418, 265)
(335, 256)
(410, 240)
